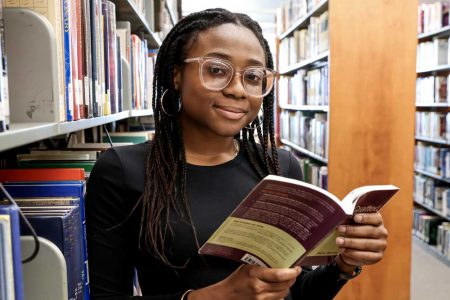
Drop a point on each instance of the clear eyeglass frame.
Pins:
(202, 60)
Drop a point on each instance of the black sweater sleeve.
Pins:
(110, 244)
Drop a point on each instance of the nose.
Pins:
(235, 88)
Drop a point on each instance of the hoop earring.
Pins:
(261, 120)
(162, 105)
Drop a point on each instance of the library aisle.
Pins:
(429, 276)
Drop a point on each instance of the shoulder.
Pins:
(289, 165)
(125, 163)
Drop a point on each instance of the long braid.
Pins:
(166, 167)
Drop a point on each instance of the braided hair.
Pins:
(165, 179)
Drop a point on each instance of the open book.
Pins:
(285, 222)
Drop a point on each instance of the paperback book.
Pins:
(285, 222)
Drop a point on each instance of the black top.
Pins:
(116, 183)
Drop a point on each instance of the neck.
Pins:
(209, 151)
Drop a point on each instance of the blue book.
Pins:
(57, 189)
(67, 62)
(7, 208)
(62, 229)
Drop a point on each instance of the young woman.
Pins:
(150, 206)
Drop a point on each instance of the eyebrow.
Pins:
(250, 61)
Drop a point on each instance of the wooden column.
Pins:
(372, 92)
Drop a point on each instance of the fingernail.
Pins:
(358, 218)
(342, 229)
(340, 241)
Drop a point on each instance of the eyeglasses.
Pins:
(216, 74)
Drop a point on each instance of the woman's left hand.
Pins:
(364, 242)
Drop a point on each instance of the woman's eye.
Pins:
(217, 70)
(254, 77)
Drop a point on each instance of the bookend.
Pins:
(32, 66)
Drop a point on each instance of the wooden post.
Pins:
(371, 141)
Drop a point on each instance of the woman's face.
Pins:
(227, 111)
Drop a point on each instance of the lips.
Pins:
(229, 112)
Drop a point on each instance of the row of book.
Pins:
(307, 130)
(432, 89)
(305, 43)
(292, 11)
(433, 16)
(433, 53)
(432, 159)
(314, 173)
(101, 67)
(431, 124)
(433, 230)
(431, 193)
(306, 87)
(49, 187)
(55, 208)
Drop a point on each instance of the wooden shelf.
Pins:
(324, 108)
(25, 133)
(126, 10)
(308, 63)
(431, 250)
(431, 140)
(303, 22)
(443, 32)
(431, 209)
(441, 68)
(305, 151)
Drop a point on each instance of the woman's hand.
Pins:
(362, 243)
(251, 282)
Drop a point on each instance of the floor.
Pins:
(430, 278)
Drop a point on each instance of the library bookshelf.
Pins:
(431, 226)
(371, 61)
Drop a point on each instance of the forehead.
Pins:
(234, 42)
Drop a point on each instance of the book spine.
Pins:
(88, 62)
(80, 21)
(105, 69)
(4, 93)
(6, 254)
(67, 61)
(13, 213)
(77, 101)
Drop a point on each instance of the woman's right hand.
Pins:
(250, 282)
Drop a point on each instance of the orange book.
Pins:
(63, 174)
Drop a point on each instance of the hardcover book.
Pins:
(285, 222)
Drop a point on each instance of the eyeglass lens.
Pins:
(217, 74)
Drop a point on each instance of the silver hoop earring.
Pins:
(260, 119)
(162, 105)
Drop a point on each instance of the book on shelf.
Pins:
(10, 243)
(57, 189)
(285, 222)
(4, 85)
(63, 228)
(8, 175)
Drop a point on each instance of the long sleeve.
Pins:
(321, 283)
(112, 234)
